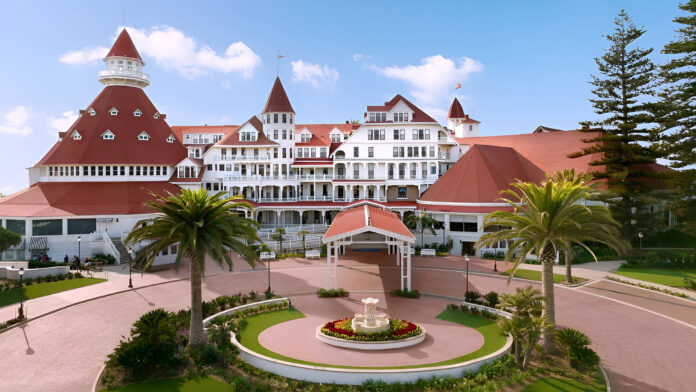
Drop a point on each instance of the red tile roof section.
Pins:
(232, 138)
(418, 114)
(321, 133)
(387, 221)
(124, 47)
(125, 148)
(366, 217)
(455, 110)
(278, 100)
(480, 175)
(179, 130)
(48, 199)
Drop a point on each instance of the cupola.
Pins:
(124, 66)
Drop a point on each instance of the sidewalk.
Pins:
(602, 269)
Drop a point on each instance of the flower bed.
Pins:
(398, 330)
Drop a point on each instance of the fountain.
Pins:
(369, 322)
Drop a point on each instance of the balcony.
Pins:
(316, 177)
(245, 158)
(115, 73)
(315, 198)
(258, 177)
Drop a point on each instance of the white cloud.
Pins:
(172, 49)
(16, 121)
(84, 56)
(62, 122)
(359, 57)
(314, 74)
(433, 80)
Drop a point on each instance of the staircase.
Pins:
(125, 257)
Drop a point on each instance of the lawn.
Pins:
(201, 384)
(553, 384)
(47, 288)
(536, 275)
(493, 340)
(667, 277)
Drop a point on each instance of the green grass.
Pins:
(47, 288)
(536, 275)
(207, 384)
(667, 277)
(493, 340)
(552, 384)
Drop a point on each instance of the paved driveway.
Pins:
(642, 349)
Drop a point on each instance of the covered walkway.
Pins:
(365, 228)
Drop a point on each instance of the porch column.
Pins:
(328, 265)
(399, 257)
(408, 266)
(278, 216)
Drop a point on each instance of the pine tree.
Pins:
(626, 78)
(676, 114)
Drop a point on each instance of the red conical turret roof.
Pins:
(124, 47)
(278, 101)
(456, 110)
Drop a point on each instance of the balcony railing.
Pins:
(121, 73)
(315, 198)
(316, 177)
(250, 157)
(258, 177)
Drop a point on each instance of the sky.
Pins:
(520, 64)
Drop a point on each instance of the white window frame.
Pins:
(113, 111)
(108, 135)
(170, 139)
(137, 113)
(144, 136)
(92, 112)
(76, 135)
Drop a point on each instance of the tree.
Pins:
(526, 324)
(626, 78)
(8, 239)
(203, 225)
(303, 233)
(676, 114)
(424, 221)
(278, 236)
(549, 217)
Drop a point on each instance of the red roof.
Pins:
(320, 133)
(124, 47)
(367, 218)
(232, 138)
(480, 175)
(278, 100)
(179, 130)
(418, 114)
(46, 199)
(455, 110)
(125, 148)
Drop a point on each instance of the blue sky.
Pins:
(521, 64)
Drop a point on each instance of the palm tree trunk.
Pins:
(547, 258)
(196, 337)
(568, 261)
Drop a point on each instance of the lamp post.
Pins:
(640, 245)
(269, 275)
(79, 249)
(495, 262)
(466, 258)
(21, 295)
(130, 267)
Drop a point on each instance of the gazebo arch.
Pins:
(368, 225)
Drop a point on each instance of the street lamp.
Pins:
(21, 295)
(466, 258)
(269, 275)
(495, 262)
(79, 256)
(640, 245)
(130, 267)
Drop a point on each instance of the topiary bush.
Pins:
(492, 299)
(472, 296)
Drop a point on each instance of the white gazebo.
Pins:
(368, 226)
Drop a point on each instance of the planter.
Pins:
(365, 345)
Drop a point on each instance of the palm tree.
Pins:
(278, 236)
(549, 217)
(527, 322)
(203, 225)
(422, 220)
(303, 233)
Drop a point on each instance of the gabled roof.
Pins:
(46, 199)
(277, 100)
(418, 114)
(455, 110)
(125, 148)
(542, 128)
(480, 175)
(179, 130)
(232, 138)
(124, 47)
(367, 218)
(321, 133)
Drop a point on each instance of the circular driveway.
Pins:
(646, 340)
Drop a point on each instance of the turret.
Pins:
(124, 66)
(460, 123)
(278, 118)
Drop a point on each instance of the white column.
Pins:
(479, 223)
(328, 265)
(408, 267)
(400, 251)
(278, 216)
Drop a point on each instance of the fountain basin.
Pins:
(367, 345)
(361, 324)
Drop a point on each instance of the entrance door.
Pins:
(467, 248)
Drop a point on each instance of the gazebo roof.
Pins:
(367, 219)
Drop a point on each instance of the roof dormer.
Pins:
(137, 113)
(113, 111)
(108, 135)
(156, 115)
(170, 139)
(305, 135)
(92, 112)
(143, 136)
(76, 135)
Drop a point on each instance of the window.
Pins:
(268, 118)
(137, 113)
(369, 134)
(107, 171)
(275, 134)
(284, 118)
(275, 118)
(170, 139)
(356, 172)
(402, 171)
(113, 111)
(402, 134)
(290, 118)
(82, 226)
(415, 134)
(50, 171)
(76, 135)
(100, 171)
(123, 170)
(335, 138)
(456, 226)
(396, 134)
(93, 170)
(284, 153)
(305, 137)
(470, 227)
(432, 152)
(47, 227)
(433, 169)
(471, 127)
(322, 153)
(92, 112)
(396, 152)
(144, 136)
(131, 170)
(156, 115)
(17, 226)
(391, 171)
(108, 135)
(158, 171)
(356, 152)
(137, 170)
(152, 170)
(370, 152)
(381, 134)
(314, 152)
(194, 153)
(285, 134)
(405, 117)
(217, 138)
(372, 117)
(401, 194)
(371, 171)
(175, 248)
(187, 172)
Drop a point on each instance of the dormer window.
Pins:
(335, 138)
(378, 117)
(156, 115)
(305, 137)
(113, 112)
(76, 135)
(108, 135)
(170, 139)
(92, 112)
(248, 136)
(400, 117)
(144, 136)
(137, 113)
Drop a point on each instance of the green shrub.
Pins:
(473, 297)
(663, 258)
(492, 299)
(332, 293)
(406, 293)
(689, 283)
(104, 258)
(583, 357)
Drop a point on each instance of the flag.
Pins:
(458, 85)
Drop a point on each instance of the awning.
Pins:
(19, 246)
(36, 243)
(367, 219)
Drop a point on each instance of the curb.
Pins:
(606, 378)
